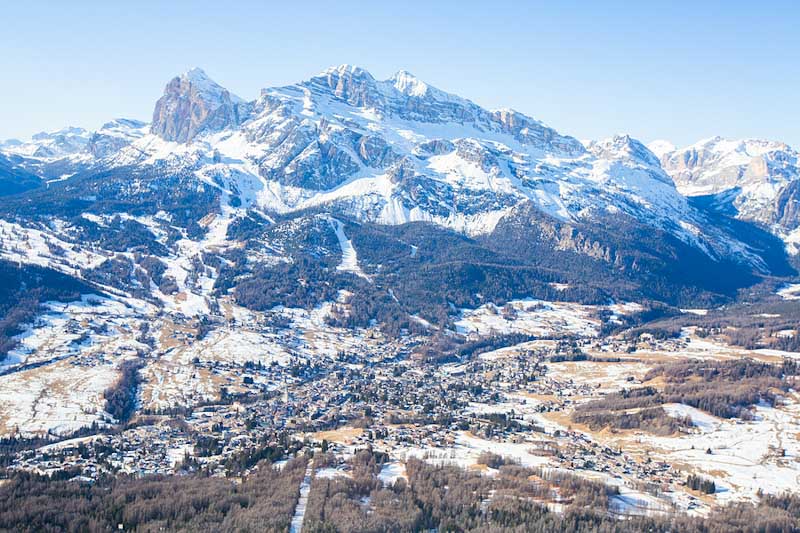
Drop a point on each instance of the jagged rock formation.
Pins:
(193, 103)
(384, 152)
(753, 178)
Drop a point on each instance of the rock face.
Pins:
(395, 151)
(756, 177)
(787, 206)
(541, 206)
(115, 135)
(715, 165)
(193, 103)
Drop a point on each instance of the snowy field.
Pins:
(790, 292)
(742, 457)
(745, 457)
(53, 381)
(528, 316)
(58, 398)
(605, 377)
(468, 448)
(539, 317)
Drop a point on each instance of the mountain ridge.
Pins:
(220, 194)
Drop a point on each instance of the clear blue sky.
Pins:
(674, 70)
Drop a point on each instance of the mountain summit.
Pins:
(219, 194)
(194, 103)
(756, 179)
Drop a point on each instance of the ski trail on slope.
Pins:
(349, 257)
(300, 511)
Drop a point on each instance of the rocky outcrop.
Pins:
(193, 104)
(756, 177)
(716, 165)
(787, 206)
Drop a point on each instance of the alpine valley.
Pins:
(410, 289)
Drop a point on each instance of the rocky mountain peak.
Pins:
(754, 178)
(114, 135)
(717, 164)
(408, 84)
(48, 145)
(350, 83)
(624, 147)
(193, 103)
(661, 147)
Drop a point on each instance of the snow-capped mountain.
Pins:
(49, 145)
(394, 151)
(72, 149)
(115, 135)
(72, 141)
(220, 195)
(193, 104)
(660, 147)
(758, 178)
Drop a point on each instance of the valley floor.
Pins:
(210, 396)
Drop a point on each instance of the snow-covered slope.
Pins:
(49, 145)
(400, 150)
(389, 151)
(76, 144)
(755, 176)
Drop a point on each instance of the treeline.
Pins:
(121, 396)
(727, 389)
(730, 370)
(765, 323)
(122, 235)
(264, 501)
(449, 498)
(446, 270)
(487, 344)
(337, 503)
(443, 348)
(629, 409)
(626, 259)
(651, 419)
(138, 191)
(702, 484)
(771, 337)
(430, 497)
(23, 288)
(423, 270)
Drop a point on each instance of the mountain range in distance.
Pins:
(218, 193)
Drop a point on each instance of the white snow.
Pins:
(349, 257)
(790, 291)
(38, 247)
(537, 317)
(661, 147)
(330, 473)
(503, 155)
(745, 456)
(698, 312)
(302, 503)
(177, 454)
(391, 472)
(700, 419)
(468, 448)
